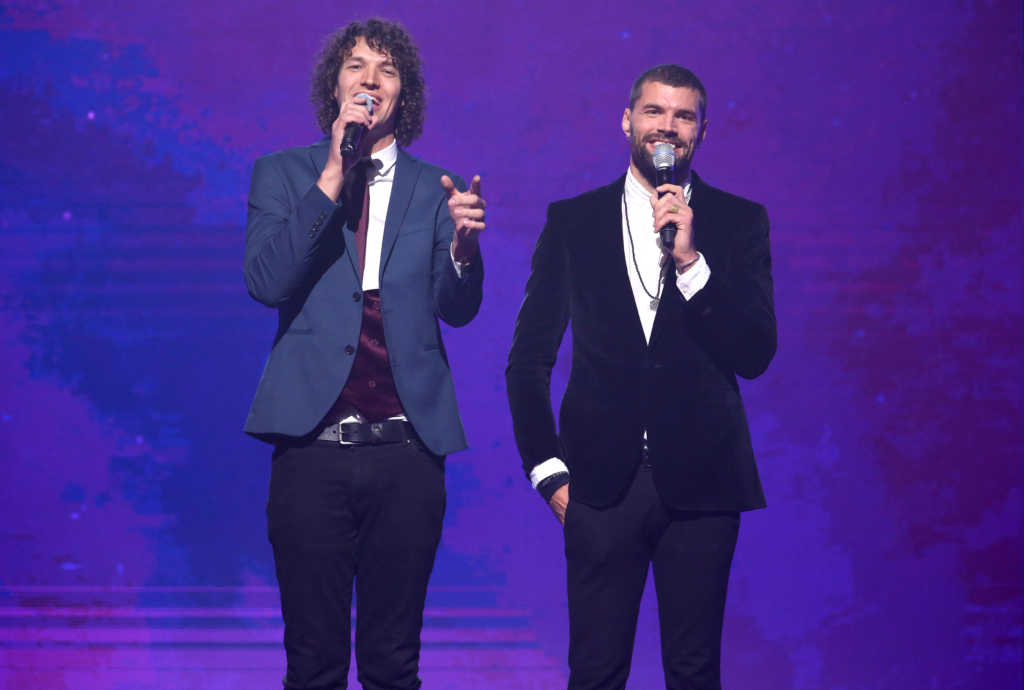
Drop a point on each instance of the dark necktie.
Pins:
(357, 201)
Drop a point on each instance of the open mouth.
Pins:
(376, 99)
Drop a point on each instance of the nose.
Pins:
(370, 79)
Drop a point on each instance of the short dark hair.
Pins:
(384, 37)
(673, 75)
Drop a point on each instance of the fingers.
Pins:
(670, 208)
(670, 199)
(468, 212)
(559, 502)
(467, 209)
(465, 200)
(467, 218)
(470, 227)
(558, 508)
(682, 218)
(354, 113)
(361, 116)
(470, 198)
(671, 189)
(449, 187)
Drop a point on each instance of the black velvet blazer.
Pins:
(681, 388)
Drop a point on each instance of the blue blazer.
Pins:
(300, 260)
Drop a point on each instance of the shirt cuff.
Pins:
(460, 266)
(552, 484)
(694, 279)
(545, 469)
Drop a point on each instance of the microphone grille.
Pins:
(664, 156)
(367, 100)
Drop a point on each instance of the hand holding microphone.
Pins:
(347, 132)
(664, 159)
(673, 218)
(355, 128)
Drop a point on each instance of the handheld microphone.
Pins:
(664, 159)
(353, 130)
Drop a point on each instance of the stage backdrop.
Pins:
(884, 139)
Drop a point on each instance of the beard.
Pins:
(644, 162)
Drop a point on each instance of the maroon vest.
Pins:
(371, 386)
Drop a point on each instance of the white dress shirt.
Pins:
(645, 242)
(380, 197)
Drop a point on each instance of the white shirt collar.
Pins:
(387, 157)
(638, 193)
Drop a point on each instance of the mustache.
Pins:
(670, 138)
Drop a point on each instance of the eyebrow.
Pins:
(387, 62)
(680, 111)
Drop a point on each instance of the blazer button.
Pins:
(349, 349)
(356, 296)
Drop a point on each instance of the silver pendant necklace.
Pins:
(655, 299)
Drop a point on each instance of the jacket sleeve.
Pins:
(456, 298)
(733, 316)
(539, 328)
(282, 238)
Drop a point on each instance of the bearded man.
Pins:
(652, 462)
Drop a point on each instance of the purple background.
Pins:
(885, 140)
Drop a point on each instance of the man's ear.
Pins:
(627, 126)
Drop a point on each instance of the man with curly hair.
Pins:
(360, 254)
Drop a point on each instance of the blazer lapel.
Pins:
(698, 192)
(611, 245)
(407, 172)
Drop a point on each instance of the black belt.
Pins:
(390, 431)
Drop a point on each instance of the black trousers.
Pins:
(608, 552)
(369, 513)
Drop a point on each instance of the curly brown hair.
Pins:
(384, 37)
